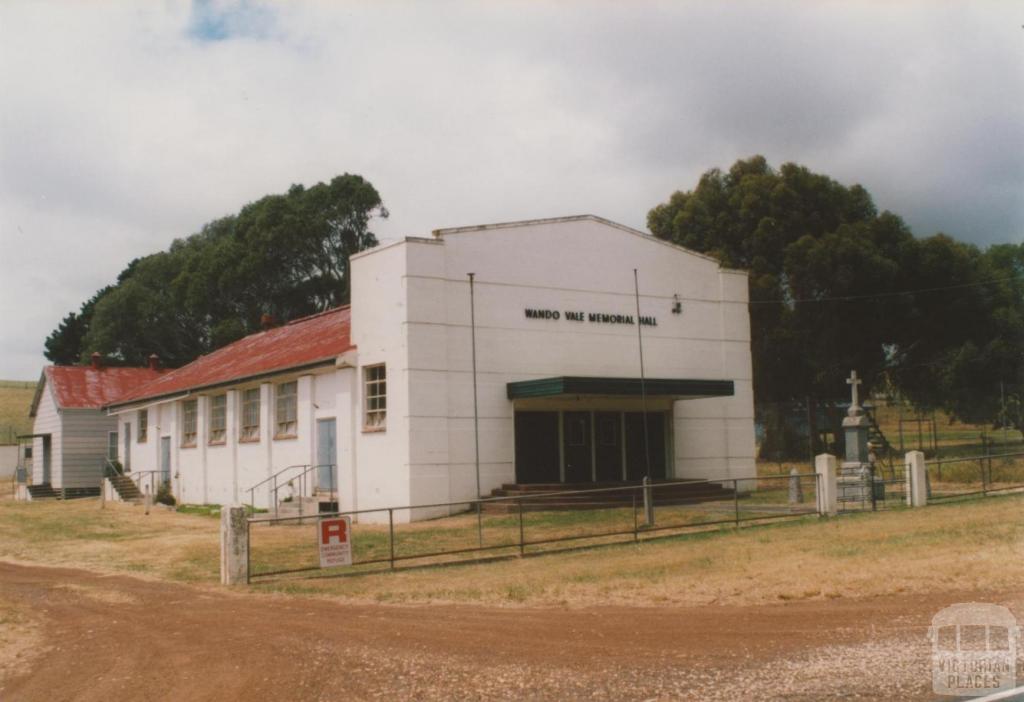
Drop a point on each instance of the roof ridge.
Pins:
(316, 314)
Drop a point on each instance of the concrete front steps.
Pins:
(307, 506)
(42, 491)
(664, 492)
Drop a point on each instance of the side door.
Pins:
(127, 455)
(165, 459)
(326, 454)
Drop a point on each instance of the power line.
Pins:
(843, 298)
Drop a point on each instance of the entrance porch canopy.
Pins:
(565, 385)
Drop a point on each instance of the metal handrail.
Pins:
(110, 470)
(277, 483)
(137, 476)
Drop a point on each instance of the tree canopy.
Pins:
(836, 285)
(284, 255)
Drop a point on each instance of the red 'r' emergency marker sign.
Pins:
(334, 534)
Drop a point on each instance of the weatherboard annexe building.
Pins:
(72, 436)
(383, 390)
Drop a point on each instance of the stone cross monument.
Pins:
(855, 473)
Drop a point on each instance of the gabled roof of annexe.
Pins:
(302, 343)
(88, 387)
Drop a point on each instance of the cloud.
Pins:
(126, 125)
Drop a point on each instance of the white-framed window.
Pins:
(143, 422)
(375, 414)
(112, 445)
(218, 419)
(286, 410)
(189, 414)
(249, 426)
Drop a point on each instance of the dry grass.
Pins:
(965, 546)
(119, 538)
(970, 545)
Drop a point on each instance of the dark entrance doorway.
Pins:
(576, 434)
(608, 446)
(591, 446)
(47, 457)
(636, 458)
(537, 457)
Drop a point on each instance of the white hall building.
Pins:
(379, 395)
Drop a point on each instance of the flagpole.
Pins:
(643, 379)
(476, 411)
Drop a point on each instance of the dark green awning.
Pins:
(621, 387)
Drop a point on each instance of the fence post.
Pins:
(636, 525)
(522, 531)
(234, 546)
(828, 487)
(391, 536)
(736, 501)
(648, 503)
(917, 479)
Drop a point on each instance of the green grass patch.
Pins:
(201, 510)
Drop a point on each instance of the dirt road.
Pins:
(120, 638)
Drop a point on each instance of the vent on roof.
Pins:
(97, 360)
(154, 361)
(267, 321)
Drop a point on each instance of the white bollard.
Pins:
(828, 486)
(234, 546)
(917, 479)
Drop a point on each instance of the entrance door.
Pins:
(127, 447)
(165, 459)
(326, 453)
(608, 449)
(636, 455)
(576, 436)
(47, 453)
(537, 447)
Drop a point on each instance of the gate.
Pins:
(883, 486)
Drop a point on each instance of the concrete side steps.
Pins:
(126, 488)
(306, 506)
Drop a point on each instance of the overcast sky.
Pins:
(125, 125)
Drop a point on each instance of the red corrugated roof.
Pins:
(85, 387)
(303, 342)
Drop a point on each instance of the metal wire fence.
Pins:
(527, 523)
(975, 475)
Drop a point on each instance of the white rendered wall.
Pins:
(575, 265)
(379, 331)
(223, 473)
